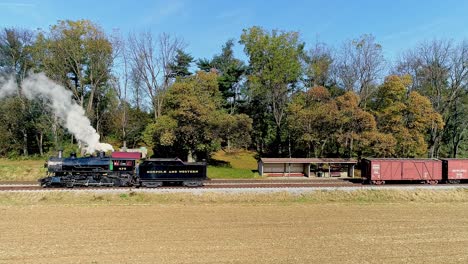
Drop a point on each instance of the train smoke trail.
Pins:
(65, 108)
(8, 88)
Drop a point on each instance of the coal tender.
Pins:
(154, 172)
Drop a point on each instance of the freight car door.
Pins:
(431, 170)
(427, 172)
(395, 170)
(412, 170)
(390, 170)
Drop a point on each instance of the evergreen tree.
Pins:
(230, 71)
(180, 66)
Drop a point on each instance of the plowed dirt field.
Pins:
(235, 233)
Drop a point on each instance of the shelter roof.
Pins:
(309, 160)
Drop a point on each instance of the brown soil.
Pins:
(235, 233)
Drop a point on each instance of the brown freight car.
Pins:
(454, 170)
(378, 171)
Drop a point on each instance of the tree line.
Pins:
(286, 100)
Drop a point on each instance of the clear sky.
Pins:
(206, 24)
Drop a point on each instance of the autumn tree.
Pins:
(234, 130)
(16, 52)
(456, 130)
(120, 82)
(128, 119)
(77, 54)
(311, 120)
(128, 131)
(407, 117)
(230, 72)
(16, 59)
(151, 60)
(359, 66)
(275, 69)
(352, 122)
(318, 66)
(440, 72)
(324, 126)
(192, 124)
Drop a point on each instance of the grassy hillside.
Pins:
(239, 159)
(229, 165)
(21, 170)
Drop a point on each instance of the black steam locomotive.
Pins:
(121, 169)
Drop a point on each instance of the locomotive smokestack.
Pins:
(101, 154)
(60, 154)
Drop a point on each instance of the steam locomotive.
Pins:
(121, 169)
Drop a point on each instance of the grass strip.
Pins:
(142, 198)
(231, 173)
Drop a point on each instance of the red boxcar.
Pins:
(455, 170)
(378, 171)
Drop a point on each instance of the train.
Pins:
(121, 169)
(128, 169)
(431, 171)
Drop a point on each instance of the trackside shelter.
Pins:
(322, 167)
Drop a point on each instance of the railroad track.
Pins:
(237, 185)
(207, 186)
(237, 181)
(211, 184)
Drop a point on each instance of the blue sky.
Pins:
(205, 24)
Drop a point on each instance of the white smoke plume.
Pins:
(65, 108)
(8, 87)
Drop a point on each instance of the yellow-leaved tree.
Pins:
(406, 116)
(194, 124)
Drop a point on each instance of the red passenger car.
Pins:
(455, 170)
(378, 171)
